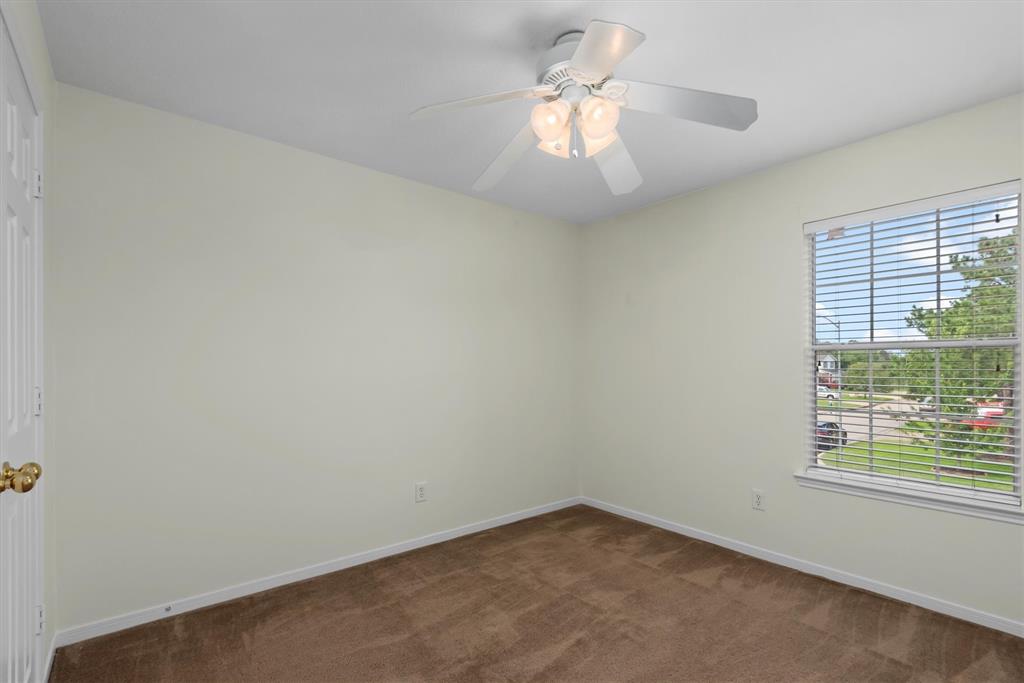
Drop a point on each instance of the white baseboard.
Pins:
(118, 623)
(142, 616)
(952, 609)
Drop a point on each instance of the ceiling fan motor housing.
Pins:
(553, 66)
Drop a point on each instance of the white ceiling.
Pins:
(340, 78)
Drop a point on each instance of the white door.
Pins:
(21, 513)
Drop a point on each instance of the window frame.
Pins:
(909, 491)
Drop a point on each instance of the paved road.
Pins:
(886, 419)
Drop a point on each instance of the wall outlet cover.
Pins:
(757, 499)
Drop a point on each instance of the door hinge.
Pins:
(37, 180)
(41, 620)
(37, 402)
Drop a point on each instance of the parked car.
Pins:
(991, 409)
(986, 416)
(980, 422)
(926, 404)
(829, 435)
(825, 392)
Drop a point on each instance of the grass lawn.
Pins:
(908, 460)
(876, 397)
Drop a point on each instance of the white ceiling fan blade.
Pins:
(716, 109)
(534, 92)
(507, 158)
(618, 168)
(602, 47)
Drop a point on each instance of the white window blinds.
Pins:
(914, 338)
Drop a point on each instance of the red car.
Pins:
(986, 417)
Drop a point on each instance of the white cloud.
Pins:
(930, 303)
(901, 334)
(966, 241)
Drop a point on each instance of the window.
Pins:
(915, 353)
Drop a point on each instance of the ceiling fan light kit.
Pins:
(582, 104)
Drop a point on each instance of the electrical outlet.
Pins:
(757, 499)
(420, 492)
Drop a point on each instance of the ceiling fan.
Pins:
(581, 106)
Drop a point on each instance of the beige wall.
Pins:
(694, 338)
(259, 350)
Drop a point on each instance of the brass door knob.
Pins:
(20, 480)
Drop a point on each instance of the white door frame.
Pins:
(21, 50)
(43, 651)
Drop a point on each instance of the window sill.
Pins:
(1000, 512)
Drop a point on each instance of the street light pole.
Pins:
(839, 329)
(839, 338)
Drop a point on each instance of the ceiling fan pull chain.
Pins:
(574, 137)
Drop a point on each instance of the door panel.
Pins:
(20, 370)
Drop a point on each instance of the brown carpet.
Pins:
(575, 595)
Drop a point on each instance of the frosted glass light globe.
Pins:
(598, 117)
(549, 118)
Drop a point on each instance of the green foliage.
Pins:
(884, 367)
(987, 309)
